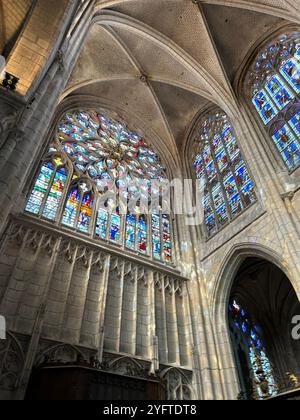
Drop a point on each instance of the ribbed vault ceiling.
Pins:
(163, 60)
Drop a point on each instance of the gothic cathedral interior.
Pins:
(149, 200)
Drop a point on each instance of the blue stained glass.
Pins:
(156, 236)
(209, 214)
(71, 208)
(167, 246)
(280, 93)
(68, 149)
(249, 193)
(210, 164)
(199, 167)
(55, 195)
(115, 227)
(217, 143)
(230, 185)
(222, 160)
(253, 336)
(288, 146)
(130, 231)
(102, 224)
(265, 107)
(231, 145)
(253, 348)
(242, 174)
(85, 215)
(228, 136)
(295, 123)
(142, 234)
(291, 72)
(220, 206)
(40, 189)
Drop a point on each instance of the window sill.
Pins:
(233, 229)
(104, 246)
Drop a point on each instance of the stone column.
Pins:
(19, 152)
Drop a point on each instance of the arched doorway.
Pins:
(261, 309)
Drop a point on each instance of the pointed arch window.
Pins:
(94, 164)
(274, 86)
(249, 342)
(227, 186)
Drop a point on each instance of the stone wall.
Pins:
(13, 14)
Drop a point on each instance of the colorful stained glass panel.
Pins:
(102, 224)
(265, 107)
(71, 208)
(142, 234)
(156, 236)
(130, 231)
(220, 205)
(115, 227)
(295, 123)
(40, 189)
(167, 244)
(288, 145)
(85, 215)
(280, 93)
(290, 70)
(56, 194)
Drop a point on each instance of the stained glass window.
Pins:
(56, 194)
(115, 227)
(167, 243)
(107, 158)
(224, 178)
(85, 213)
(274, 83)
(248, 335)
(102, 224)
(142, 235)
(130, 231)
(156, 236)
(71, 208)
(40, 189)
